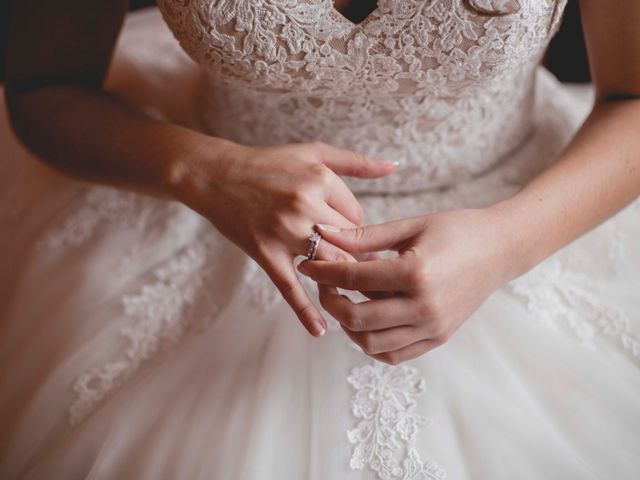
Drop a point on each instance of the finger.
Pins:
(387, 340)
(390, 275)
(326, 211)
(280, 270)
(299, 241)
(328, 252)
(368, 315)
(409, 352)
(353, 164)
(341, 199)
(367, 256)
(373, 238)
(364, 257)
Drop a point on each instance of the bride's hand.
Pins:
(448, 264)
(267, 199)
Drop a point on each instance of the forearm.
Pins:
(90, 134)
(598, 175)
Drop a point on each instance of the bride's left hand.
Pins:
(448, 264)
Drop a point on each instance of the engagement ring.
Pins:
(314, 241)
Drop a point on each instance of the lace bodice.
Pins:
(445, 87)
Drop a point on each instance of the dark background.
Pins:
(566, 56)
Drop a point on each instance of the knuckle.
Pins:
(306, 311)
(438, 330)
(280, 219)
(316, 144)
(326, 177)
(442, 337)
(426, 310)
(312, 150)
(283, 226)
(358, 214)
(368, 344)
(359, 235)
(349, 276)
(418, 276)
(261, 246)
(340, 256)
(319, 171)
(287, 287)
(300, 199)
(359, 162)
(431, 307)
(390, 358)
(352, 321)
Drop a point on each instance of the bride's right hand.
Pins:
(267, 200)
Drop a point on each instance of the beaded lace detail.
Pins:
(432, 84)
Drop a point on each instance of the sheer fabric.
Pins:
(136, 342)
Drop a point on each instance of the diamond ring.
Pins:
(314, 241)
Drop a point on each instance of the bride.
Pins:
(469, 225)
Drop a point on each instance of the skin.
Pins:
(264, 199)
(54, 94)
(450, 262)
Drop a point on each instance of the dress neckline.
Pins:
(335, 13)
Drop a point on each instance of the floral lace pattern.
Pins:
(160, 317)
(410, 83)
(383, 403)
(560, 297)
(100, 206)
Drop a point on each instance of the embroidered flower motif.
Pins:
(99, 205)
(383, 402)
(159, 315)
(559, 297)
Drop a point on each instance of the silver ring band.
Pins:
(314, 241)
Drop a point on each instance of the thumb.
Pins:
(372, 238)
(354, 164)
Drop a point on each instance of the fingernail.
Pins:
(318, 329)
(396, 163)
(327, 228)
(302, 267)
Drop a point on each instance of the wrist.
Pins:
(522, 240)
(202, 161)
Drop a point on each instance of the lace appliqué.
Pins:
(383, 401)
(100, 204)
(560, 297)
(159, 315)
(411, 83)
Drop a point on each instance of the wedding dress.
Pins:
(138, 343)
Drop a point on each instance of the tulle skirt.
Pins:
(137, 342)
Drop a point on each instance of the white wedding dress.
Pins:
(138, 343)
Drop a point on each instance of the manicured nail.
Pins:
(318, 329)
(327, 228)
